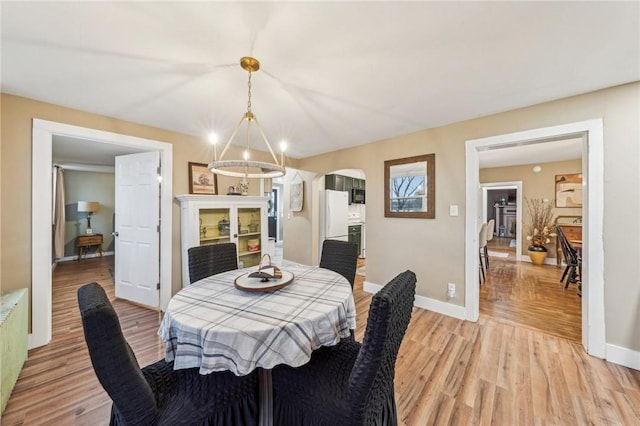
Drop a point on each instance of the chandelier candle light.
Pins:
(250, 168)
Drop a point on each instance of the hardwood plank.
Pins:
(503, 410)
(523, 392)
(483, 404)
(624, 408)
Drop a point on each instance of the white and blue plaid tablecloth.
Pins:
(214, 326)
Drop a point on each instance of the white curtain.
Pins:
(58, 215)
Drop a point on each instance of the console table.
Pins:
(85, 241)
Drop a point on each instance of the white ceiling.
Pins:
(531, 153)
(333, 74)
(68, 150)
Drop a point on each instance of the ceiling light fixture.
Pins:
(250, 168)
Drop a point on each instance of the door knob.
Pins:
(115, 234)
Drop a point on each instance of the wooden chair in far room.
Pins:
(158, 394)
(212, 259)
(573, 271)
(341, 257)
(482, 252)
(350, 383)
(490, 228)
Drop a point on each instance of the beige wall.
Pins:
(535, 185)
(434, 249)
(1, 186)
(296, 225)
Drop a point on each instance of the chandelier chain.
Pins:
(249, 86)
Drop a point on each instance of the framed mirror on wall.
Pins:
(410, 187)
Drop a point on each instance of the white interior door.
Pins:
(137, 248)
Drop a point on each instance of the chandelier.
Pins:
(246, 167)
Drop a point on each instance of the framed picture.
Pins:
(296, 196)
(569, 190)
(296, 193)
(202, 180)
(569, 220)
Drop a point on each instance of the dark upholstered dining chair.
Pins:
(212, 259)
(340, 257)
(350, 383)
(158, 394)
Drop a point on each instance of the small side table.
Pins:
(84, 241)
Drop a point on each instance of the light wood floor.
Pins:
(530, 296)
(448, 371)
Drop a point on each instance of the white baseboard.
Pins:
(440, 307)
(434, 305)
(623, 356)
(87, 256)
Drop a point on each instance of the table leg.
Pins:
(266, 397)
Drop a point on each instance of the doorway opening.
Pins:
(275, 218)
(514, 290)
(591, 134)
(342, 214)
(502, 202)
(41, 214)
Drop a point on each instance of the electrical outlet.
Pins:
(451, 290)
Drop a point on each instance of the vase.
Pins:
(537, 254)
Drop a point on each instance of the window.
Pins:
(409, 187)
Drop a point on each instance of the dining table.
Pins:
(218, 324)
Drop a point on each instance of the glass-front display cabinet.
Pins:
(214, 219)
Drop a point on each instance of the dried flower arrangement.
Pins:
(542, 221)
